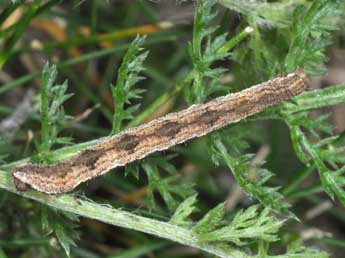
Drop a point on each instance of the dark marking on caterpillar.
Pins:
(169, 129)
(210, 117)
(88, 157)
(127, 142)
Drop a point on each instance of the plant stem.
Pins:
(24, 243)
(307, 101)
(316, 99)
(117, 217)
(293, 184)
(45, 108)
(307, 191)
(235, 40)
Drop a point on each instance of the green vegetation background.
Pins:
(245, 191)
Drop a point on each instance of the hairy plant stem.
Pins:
(117, 217)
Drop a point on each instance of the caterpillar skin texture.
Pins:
(159, 134)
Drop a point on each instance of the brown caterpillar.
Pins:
(159, 134)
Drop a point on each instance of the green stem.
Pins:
(296, 136)
(325, 180)
(316, 99)
(141, 250)
(307, 191)
(235, 40)
(294, 183)
(121, 218)
(230, 162)
(305, 102)
(44, 112)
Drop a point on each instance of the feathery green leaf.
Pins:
(128, 76)
(53, 117)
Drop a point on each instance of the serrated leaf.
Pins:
(128, 75)
(296, 250)
(246, 225)
(63, 238)
(326, 160)
(306, 49)
(182, 212)
(251, 179)
(203, 55)
(132, 169)
(53, 117)
(262, 13)
(44, 218)
(61, 224)
(211, 221)
(167, 187)
(155, 182)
